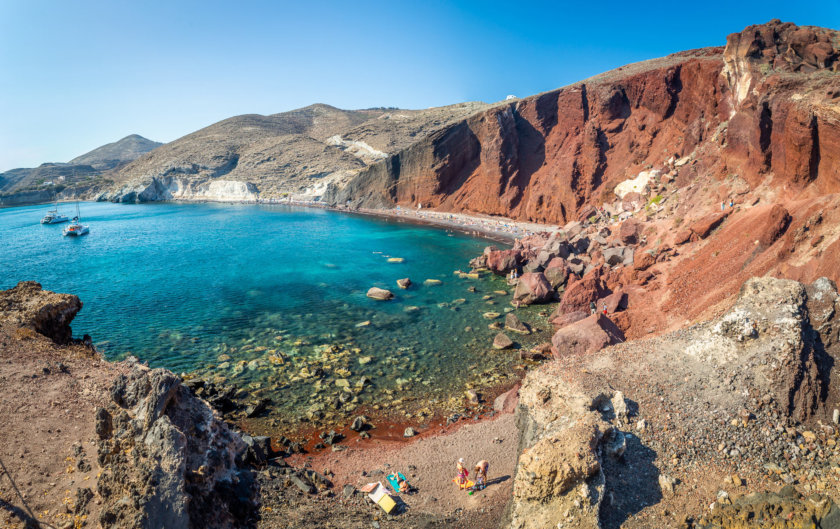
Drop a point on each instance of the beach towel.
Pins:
(394, 480)
(468, 484)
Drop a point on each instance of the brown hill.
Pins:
(296, 152)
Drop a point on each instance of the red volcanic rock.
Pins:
(705, 225)
(553, 156)
(580, 294)
(630, 231)
(683, 236)
(503, 261)
(557, 272)
(614, 302)
(644, 260)
(561, 320)
(586, 336)
(778, 220)
(532, 288)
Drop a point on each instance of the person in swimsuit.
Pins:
(481, 474)
(463, 473)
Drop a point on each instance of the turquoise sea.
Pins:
(209, 287)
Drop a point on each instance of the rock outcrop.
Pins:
(767, 366)
(168, 460)
(48, 313)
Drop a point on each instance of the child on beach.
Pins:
(462, 473)
(481, 474)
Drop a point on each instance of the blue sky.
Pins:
(75, 75)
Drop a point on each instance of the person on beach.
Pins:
(463, 473)
(481, 474)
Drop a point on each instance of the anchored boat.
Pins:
(54, 217)
(76, 228)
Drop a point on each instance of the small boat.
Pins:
(76, 228)
(54, 217)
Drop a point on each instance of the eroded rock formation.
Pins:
(168, 460)
(48, 313)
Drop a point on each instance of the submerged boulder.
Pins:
(380, 294)
(513, 323)
(502, 341)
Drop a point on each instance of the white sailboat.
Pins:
(76, 228)
(54, 217)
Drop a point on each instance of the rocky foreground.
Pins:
(727, 423)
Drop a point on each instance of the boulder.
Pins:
(643, 260)
(532, 288)
(562, 319)
(359, 423)
(538, 353)
(506, 402)
(703, 227)
(532, 266)
(630, 231)
(557, 272)
(579, 294)
(614, 302)
(472, 397)
(513, 323)
(775, 224)
(620, 255)
(683, 236)
(632, 202)
(502, 341)
(577, 265)
(586, 336)
(403, 283)
(409, 432)
(501, 262)
(572, 229)
(379, 294)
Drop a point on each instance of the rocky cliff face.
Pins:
(657, 421)
(163, 457)
(166, 452)
(767, 104)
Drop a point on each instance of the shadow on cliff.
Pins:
(632, 483)
(531, 157)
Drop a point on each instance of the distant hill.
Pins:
(298, 152)
(113, 154)
(82, 172)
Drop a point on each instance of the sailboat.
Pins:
(76, 228)
(53, 216)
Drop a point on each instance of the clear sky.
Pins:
(78, 74)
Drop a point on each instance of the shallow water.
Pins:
(207, 287)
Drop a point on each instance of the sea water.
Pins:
(272, 298)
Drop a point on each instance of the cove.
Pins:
(270, 298)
